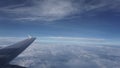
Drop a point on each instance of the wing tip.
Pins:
(29, 36)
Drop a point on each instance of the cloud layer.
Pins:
(43, 55)
(52, 10)
(69, 56)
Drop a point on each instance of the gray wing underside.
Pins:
(7, 54)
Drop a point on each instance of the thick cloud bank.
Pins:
(69, 56)
(59, 55)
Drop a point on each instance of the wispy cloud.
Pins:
(60, 40)
(72, 40)
(75, 39)
(52, 10)
(47, 10)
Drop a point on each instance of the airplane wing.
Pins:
(7, 54)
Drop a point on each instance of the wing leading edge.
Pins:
(7, 54)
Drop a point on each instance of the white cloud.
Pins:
(57, 9)
(52, 10)
(46, 10)
(73, 56)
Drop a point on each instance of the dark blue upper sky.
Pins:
(65, 18)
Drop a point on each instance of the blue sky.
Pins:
(61, 18)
